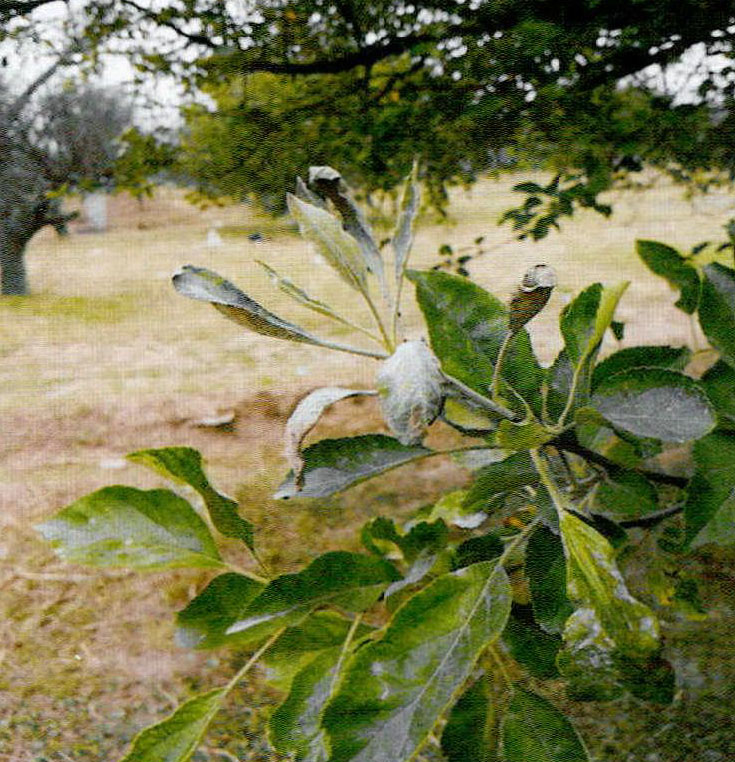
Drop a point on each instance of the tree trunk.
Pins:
(13, 279)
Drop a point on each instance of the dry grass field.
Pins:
(106, 358)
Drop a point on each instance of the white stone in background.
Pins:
(214, 239)
(95, 211)
(113, 463)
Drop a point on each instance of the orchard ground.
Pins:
(105, 358)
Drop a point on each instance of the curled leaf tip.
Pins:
(532, 296)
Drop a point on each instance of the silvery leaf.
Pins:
(410, 387)
(305, 416)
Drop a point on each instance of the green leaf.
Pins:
(299, 645)
(521, 436)
(403, 235)
(655, 403)
(295, 726)
(587, 661)
(381, 537)
(534, 730)
(493, 482)
(710, 505)
(545, 569)
(466, 417)
(477, 549)
(468, 734)
(625, 494)
(467, 326)
(207, 286)
(651, 679)
(410, 383)
(124, 526)
(669, 358)
(184, 465)
(717, 309)
(335, 244)
(596, 671)
(346, 580)
(451, 508)
(531, 646)
(719, 386)
(668, 263)
(583, 323)
(333, 465)
(603, 440)
(593, 581)
(206, 619)
(585, 319)
(395, 689)
(176, 738)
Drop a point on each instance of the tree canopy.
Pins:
(464, 85)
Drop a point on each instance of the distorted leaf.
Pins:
(124, 526)
(532, 296)
(346, 580)
(184, 465)
(337, 246)
(666, 261)
(717, 309)
(396, 688)
(305, 416)
(332, 465)
(306, 194)
(656, 403)
(410, 387)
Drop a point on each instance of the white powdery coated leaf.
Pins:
(410, 387)
(306, 415)
(403, 235)
(337, 246)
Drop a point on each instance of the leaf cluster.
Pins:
(446, 628)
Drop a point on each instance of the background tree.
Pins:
(459, 84)
(65, 140)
